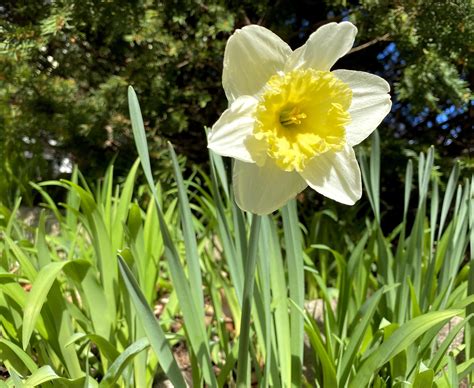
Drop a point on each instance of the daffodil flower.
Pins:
(291, 122)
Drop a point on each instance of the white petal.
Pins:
(335, 175)
(370, 103)
(324, 47)
(252, 55)
(262, 190)
(228, 135)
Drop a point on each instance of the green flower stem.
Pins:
(242, 361)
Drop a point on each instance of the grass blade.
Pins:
(249, 281)
(295, 263)
(357, 337)
(153, 330)
(36, 298)
(122, 361)
(16, 356)
(192, 255)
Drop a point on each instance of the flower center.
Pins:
(301, 114)
(291, 116)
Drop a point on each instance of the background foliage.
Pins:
(65, 65)
(374, 306)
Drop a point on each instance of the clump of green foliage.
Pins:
(73, 314)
